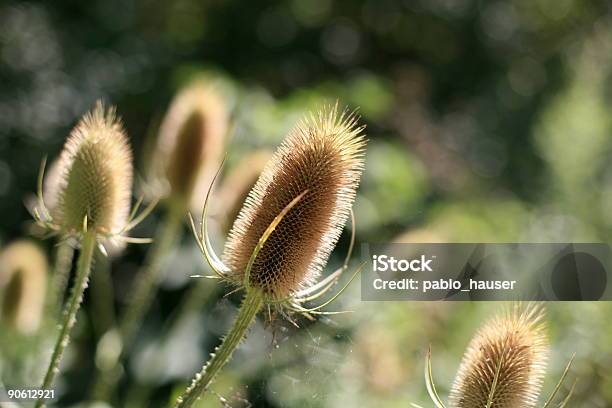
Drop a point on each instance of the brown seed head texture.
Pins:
(323, 155)
(190, 142)
(93, 176)
(23, 279)
(518, 342)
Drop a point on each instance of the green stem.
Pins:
(61, 272)
(148, 278)
(88, 246)
(252, 303)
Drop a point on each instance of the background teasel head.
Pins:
(237, 184)
(23, 282)
(190, 143)
(505, 362)
(311, 181)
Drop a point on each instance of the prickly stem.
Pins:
(251, 305)
(69, 315)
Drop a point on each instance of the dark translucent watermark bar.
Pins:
(473, 272)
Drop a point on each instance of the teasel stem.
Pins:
(88, 245)
(64, 254)
(251, 305)
(148, 278)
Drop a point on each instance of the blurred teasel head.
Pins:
(190, 143)
(237, 185)
(320, 164)
(505, 363)
(23, 282)
(89, 187)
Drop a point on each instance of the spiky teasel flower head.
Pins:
(190, 143)
(23, 281)
(89, 186)
(505, 363)
(322, 157)
(293, 216)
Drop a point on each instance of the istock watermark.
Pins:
(467, 272)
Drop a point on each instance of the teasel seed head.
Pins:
(514, 347)
(92, 179)
(322, 158)
(23, 282)
(190, 143)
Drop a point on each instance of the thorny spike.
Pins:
(200, 242)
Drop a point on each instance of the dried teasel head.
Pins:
(93, 177)
(505, 363)
(23, 281)
(190, 143)
(89, 187)
(239, 182)
(320, 162)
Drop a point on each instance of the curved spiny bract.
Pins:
(93, 176)
(190, 143)
(23, 277)
(512, 346)
(322, 156)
